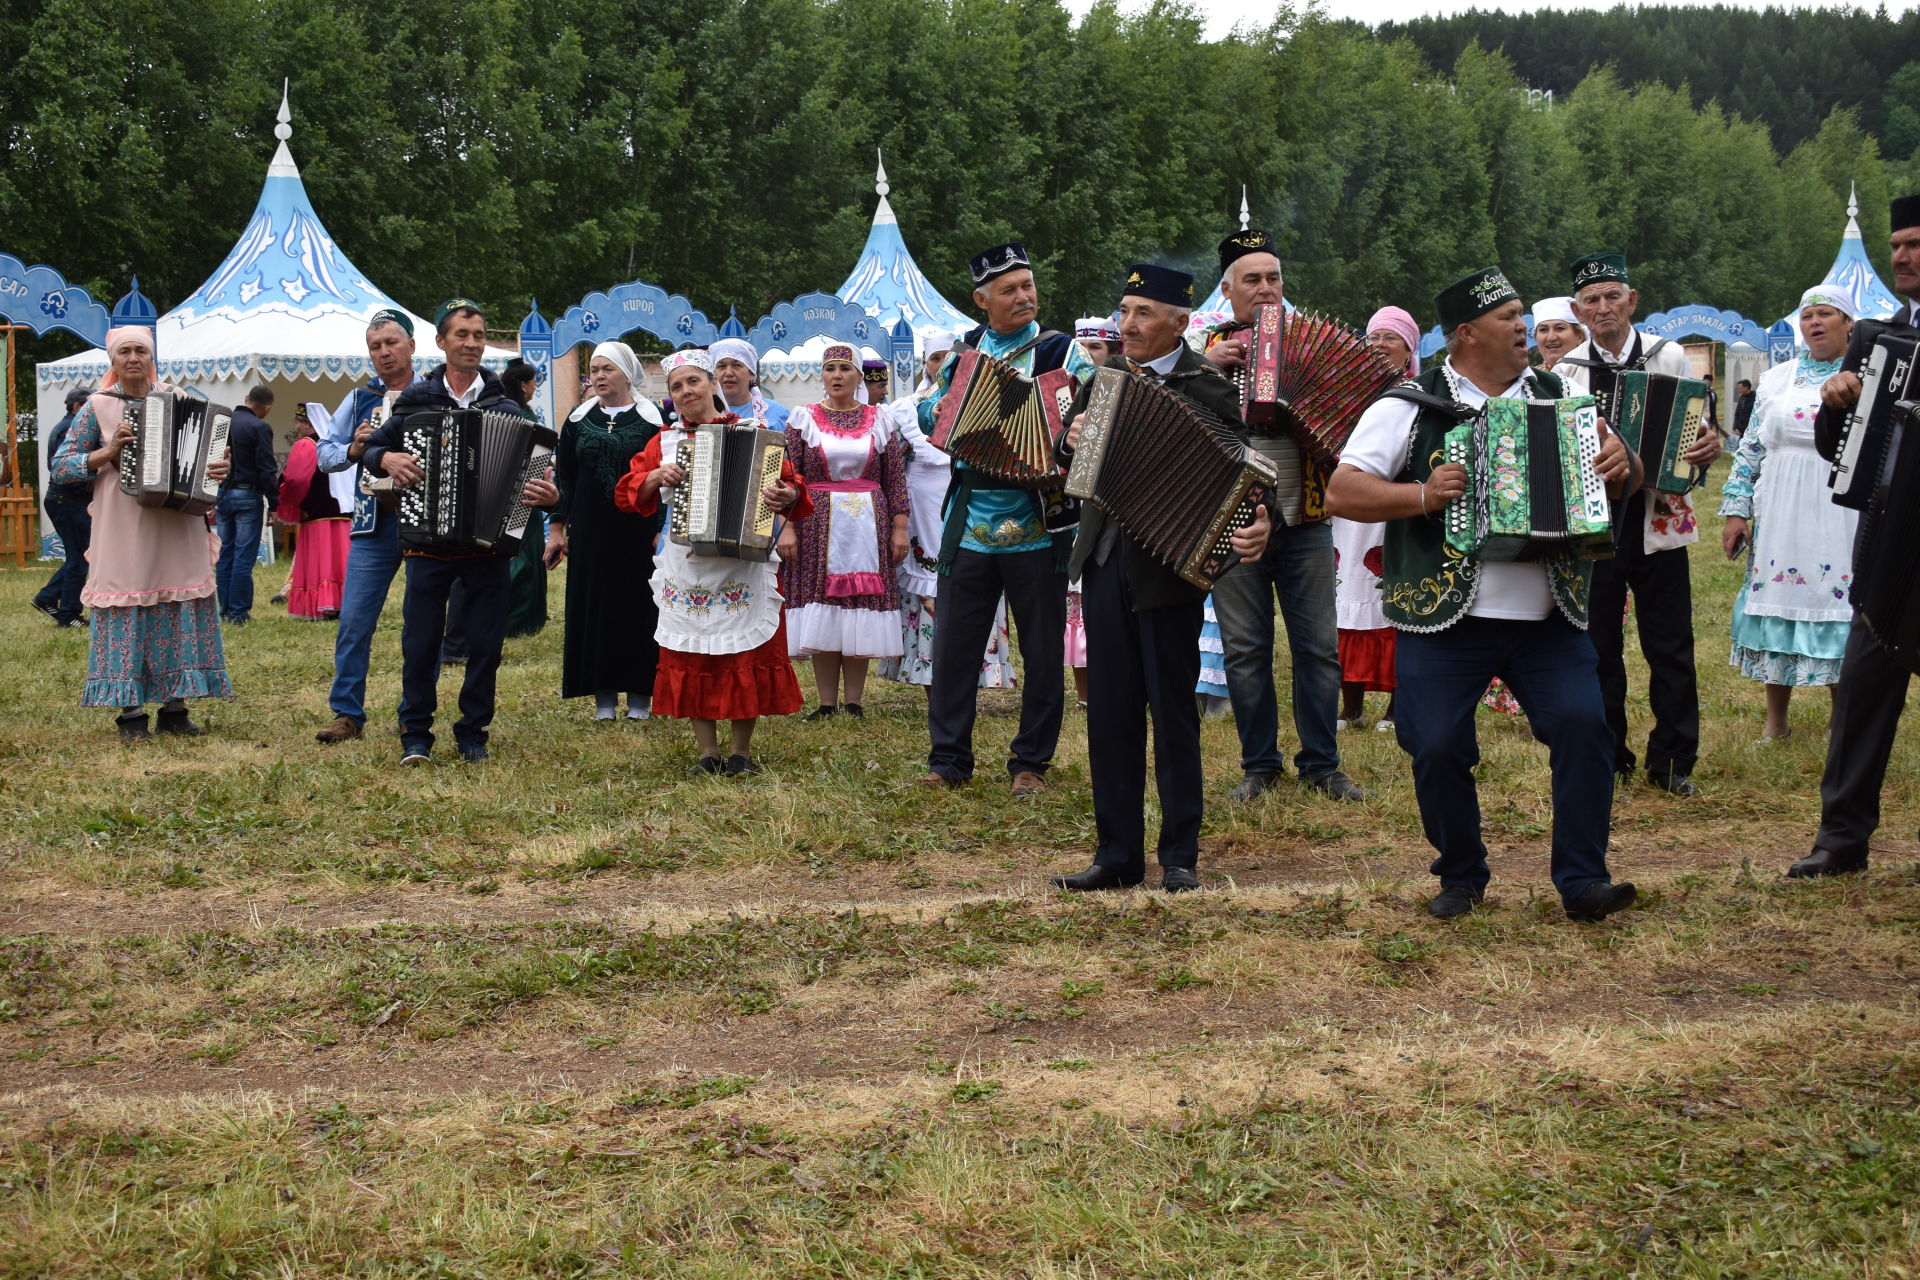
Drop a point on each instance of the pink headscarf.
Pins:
(1396, 321)
(117, 338)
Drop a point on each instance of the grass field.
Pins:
(272, 1009)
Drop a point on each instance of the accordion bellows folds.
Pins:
(1660, 417)
(476, 463)
(1311, 376)
(1534, 490)
(1177, 479)
(1890, 375)
(720, 510)
(175, 436)
(1886, 560)
(1003, 423)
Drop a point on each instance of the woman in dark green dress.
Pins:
(609, 646)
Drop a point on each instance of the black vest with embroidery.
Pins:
(1429, 586)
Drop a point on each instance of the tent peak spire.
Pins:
(1853, 211)
(1243, 207)
(283, 165)
(883, 214)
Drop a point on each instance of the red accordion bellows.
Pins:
(1312, 376)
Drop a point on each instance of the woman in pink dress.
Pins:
(843, 596)
(321, 508)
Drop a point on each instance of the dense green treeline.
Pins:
(1788, 69)
(725, 149)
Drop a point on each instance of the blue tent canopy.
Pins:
(889, 285)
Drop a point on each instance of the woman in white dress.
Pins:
(1790, 621)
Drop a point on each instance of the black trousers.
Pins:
(1663, 607)
(1036, 592)
(1866, 715)
(73, 521)
(1139, 665)
(423, 623)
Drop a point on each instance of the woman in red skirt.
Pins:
(722, 630)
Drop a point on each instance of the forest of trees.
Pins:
(725, 148)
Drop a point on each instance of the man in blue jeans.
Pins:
(252, 487)
(373, 554)
(1297, 567)
(67, 507)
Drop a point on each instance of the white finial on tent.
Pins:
(884, 213)
(1243, 206)
(1853, 214)
(283, 165)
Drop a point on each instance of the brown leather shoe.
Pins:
(1824, 862)
(931, 779)
(341, 730)
(1028, 783)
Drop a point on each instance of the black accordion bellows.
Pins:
(477, 462)
(1177, 478)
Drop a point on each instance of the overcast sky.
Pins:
(1223, 15)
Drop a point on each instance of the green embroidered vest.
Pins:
(1428, 586)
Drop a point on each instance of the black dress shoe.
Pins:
(1338, 785)
(1677, 783)
(1093, 878)
(1255, 785)
(1179, 880)
(707, 764)
(132, 727)
(1599, 900)
(1825, 862)
(821, 713)
(742, 767)
(1456, 901)
(857, 711)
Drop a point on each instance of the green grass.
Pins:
(274, 1009)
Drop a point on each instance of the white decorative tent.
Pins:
(286, 309)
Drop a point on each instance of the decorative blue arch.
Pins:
(41, 299)
(1697, 321)
(816, 315)
(613, 313)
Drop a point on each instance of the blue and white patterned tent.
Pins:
(889, 285)
(1853, 271)
(286, 304)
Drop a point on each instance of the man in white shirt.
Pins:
(1652, 532)
(1463, 621)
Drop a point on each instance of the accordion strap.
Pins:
(1021, 350)
(1413, 393)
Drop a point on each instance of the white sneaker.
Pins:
(642, 712)
(1340, 726)
(1384, 725)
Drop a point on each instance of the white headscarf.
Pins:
(1560, 309)
(628, 363)
(690, 356)
(742, 350)
(1096, 329)
(1826, 295)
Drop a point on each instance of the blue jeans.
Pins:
(1552, 669)
(75, 527)
(372, 560)
(237, 518)
(1298, 568)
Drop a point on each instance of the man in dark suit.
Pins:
(1143, 623)
(460, 383)
(1873, 685)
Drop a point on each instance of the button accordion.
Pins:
(1886, 555)
(1003, 423)
(175, 436)
(719, 510)
(1309, 375)
(1534, 489)
(476, 463)
(1889, 376)
(1659, 418)
(1177, 479)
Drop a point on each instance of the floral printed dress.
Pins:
(1790, 622)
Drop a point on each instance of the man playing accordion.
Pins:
(1463, 621)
